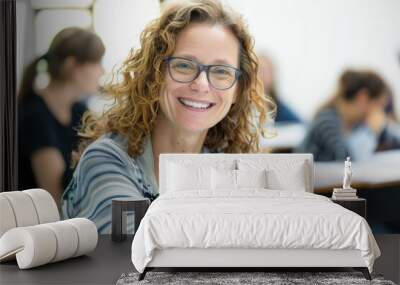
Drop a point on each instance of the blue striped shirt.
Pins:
(327, 141)
(325, 138)
(105, 172)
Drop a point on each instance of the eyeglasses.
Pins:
(184, 70)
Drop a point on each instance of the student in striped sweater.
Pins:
(167, 104)
(353, 123)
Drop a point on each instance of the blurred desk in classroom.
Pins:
(288, 136)
(377, 180)
(382, 169)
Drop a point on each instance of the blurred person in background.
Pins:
(50, 108)
(392, 125)
(284, 114)
(353, 122)
(390, 108)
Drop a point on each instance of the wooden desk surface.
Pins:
(361, 187)
(102, 266)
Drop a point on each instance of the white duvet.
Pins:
(251, 218)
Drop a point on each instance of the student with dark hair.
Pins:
(353, 123)
(49, 108)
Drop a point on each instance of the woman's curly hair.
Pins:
(136, 96)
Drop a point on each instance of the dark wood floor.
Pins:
(96, 268)
(389, 262)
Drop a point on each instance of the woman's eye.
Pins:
(221, 72)
(183, 65)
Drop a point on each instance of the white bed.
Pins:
(267, 216)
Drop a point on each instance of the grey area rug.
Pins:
(230, 278)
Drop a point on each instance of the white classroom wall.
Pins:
(312, 41)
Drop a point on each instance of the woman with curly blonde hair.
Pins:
(192, 87)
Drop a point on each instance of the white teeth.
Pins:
(193, 104)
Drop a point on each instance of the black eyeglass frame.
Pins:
(200, 68)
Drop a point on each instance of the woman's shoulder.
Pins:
(109, 148)
(111, 145)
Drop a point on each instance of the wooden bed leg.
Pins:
(142, 275)
(364, 271)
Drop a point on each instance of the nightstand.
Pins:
(357, 205)
(119, 209)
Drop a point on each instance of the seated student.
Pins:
(49, 110)
(353, 121)
(392, 126)
(192, 87)
(284, 114)
(390, 108)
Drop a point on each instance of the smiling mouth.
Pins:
(195, 104)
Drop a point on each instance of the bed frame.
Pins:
(246, 259)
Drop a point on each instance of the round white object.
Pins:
(7, 217)
(33, 246)
(23, 208)
(87, 235)
(66, 238)
(45, 206)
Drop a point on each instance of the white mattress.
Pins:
(252, 218)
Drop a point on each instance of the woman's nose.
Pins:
(201, 82)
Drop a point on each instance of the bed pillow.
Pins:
(282, 174)
(223, 179)
(251, 178)
(236, 179)
(294, 180)
(183, 177)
